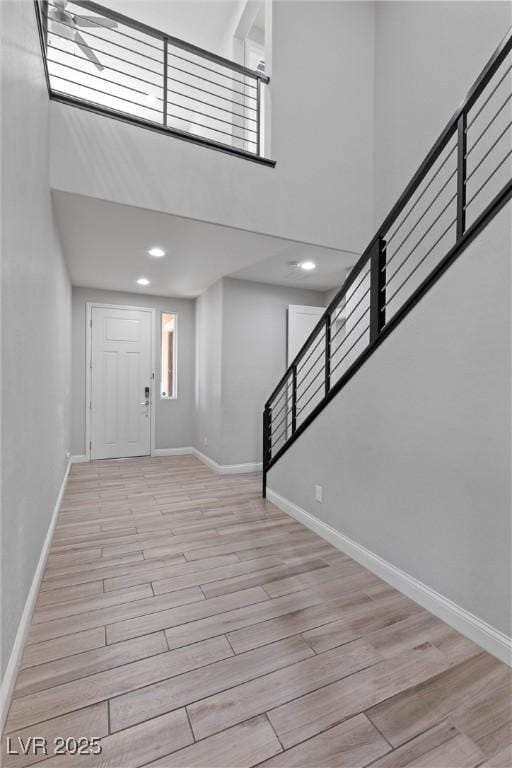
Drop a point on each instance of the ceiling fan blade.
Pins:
(79, 40)
(95, 21)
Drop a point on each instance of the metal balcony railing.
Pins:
(461, 185)
(101, 60)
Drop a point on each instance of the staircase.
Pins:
(463, 182)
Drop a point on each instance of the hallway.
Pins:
(187, 622)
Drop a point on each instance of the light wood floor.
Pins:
(188, 623)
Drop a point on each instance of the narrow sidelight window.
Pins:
(168, 360)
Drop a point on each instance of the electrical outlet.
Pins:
(67, 455)
(205, 440)
(318, 493)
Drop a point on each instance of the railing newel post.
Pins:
(294, 398)
(267, 446)
(327, 353)
(164, 84)
(377, 288)
(461, 174)
(258, 117)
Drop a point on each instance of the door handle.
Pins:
(145, 402)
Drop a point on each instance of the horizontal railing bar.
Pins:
(283, 394)
(110, 55)
(468, 202)
(397, 270)
(97, 25)
(418, 265)
(491, 122)
(274, 440)
(303, 407)
(420, 197)
(349, 350)
(212, 117)
(153, 32)
(209, 69)
(317, 358)
(432, 202)
(348, 334)
(493, 145)
(97, 77)
(501, 199)
(312, 352)
(357, 287)
(109, 67)
(502, 78)
(351, 313)
(321, 372)
(287, 411)
(105, 93)
(285, 417)
(108, 42)
(215, 95)
(206, 80)
(274, 414)
(208, 104)
(211, 128)
(158, 127)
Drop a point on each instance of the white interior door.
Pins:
(121, 377)
(301, 321)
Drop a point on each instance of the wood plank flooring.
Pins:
(187, 623)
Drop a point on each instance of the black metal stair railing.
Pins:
(461, 185)
(106, 62)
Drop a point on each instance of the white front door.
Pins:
(121, 378)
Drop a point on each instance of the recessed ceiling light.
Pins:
(307, 265)
(156, 252)
(143, 281)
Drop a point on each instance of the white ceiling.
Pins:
(106, 247)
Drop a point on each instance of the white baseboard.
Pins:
(220, 469)
(172, 451)
(489, 638)
(11, 671)
(227, 469)
(79, 459)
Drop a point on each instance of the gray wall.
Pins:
(174, 418)
(253, 359)
(241, 354)
(427, 56)
(208, 383)
(36, 302)
(414, 453)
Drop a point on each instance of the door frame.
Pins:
(89, 306)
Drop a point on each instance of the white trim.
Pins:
(491, 639)
(79, 458)
(220, 469)
(158, 349)
(11, 671)
(227, 469)
(172, 451)
(88, 348)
